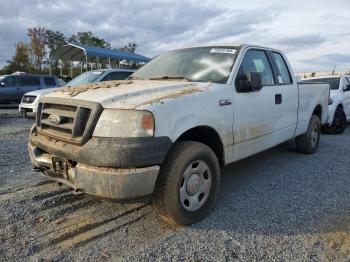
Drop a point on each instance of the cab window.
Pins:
(11, 81)
(284, 74)
(50, 81)
(256, 61)
(29, 81)
(347, 85)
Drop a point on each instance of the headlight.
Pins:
(124, 123)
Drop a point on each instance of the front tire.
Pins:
(188, 183)
(339, 123)
(308, 142)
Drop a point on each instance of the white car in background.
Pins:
(30, 100)
(339, 102)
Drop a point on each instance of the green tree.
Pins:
(55, 40)
(130, 47)
(87, 38)
(20, 61)
(38, 41)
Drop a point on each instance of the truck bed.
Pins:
(311, 94)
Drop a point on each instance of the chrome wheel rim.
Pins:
(195, 186)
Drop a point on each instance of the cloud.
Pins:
(339, 61)
(315, 30)
(293, 43)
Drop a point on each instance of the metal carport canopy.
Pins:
(77, 52)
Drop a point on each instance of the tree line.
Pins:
(33, 56)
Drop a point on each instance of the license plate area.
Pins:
(60, 167)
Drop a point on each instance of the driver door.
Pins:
(258, 115)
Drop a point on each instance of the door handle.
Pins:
(278, 99)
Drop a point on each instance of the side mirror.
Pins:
(250, 82)
(347, 88)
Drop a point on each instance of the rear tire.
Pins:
(339, 123)
(188, 183)
(308, 142)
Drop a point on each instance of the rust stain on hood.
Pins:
(175, 94)
(75, 90)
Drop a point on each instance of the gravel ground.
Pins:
(277, 205)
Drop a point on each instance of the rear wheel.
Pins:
(308, 142)
(188, 183)
(339, 123)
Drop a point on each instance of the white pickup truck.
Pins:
(166, 131)
(339, 102)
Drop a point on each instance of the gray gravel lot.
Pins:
(277, 205)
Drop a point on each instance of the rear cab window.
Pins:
(284, 76)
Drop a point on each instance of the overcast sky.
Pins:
(314, 34)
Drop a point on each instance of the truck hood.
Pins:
(127, 94)
(41, 92)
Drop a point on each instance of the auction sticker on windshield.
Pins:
(223, 50)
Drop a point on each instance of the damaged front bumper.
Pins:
(79, 166)
(113, 183)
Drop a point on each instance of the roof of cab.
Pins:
(236, 46)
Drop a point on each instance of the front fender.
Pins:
(331, 111)
(175, 116)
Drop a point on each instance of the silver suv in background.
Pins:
(30, 100)
(13, 87)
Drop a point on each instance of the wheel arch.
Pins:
(340, 105)
(318, 111)
(208, 136)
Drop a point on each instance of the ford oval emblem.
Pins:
(54, 119)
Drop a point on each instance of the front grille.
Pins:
(62, 107)
(65, 121)
(28, 99)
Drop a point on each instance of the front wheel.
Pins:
(308, 142)
(339, 123)
(188, 183)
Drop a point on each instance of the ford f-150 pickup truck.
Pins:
(165, 132)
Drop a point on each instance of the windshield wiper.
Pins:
(169, 78)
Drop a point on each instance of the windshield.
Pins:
(2, 77)
(200, 64)
(87, 77)
(333, 82)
